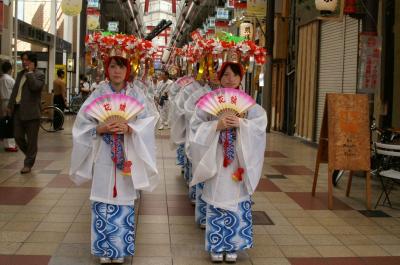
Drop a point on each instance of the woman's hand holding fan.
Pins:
(114, 127)
(227, 121)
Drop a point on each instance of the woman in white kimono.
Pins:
(229, 220)
(93, 155)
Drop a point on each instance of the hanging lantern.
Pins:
(71, 7)
(326, 6)
(350, 7)
(246, 30)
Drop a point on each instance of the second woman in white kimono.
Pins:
(229, 220)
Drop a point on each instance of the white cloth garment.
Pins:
(186, 85)
(145, 89)
(220, 190)
(189, 107)
(91, 156)
(6, 86)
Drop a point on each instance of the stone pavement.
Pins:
(45, 218)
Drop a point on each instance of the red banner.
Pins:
(146, 6)
(221, 23)
(1, 16)
(174, 6)
(240, 4)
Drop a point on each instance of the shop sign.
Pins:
(246, 30)
(93, 19)
(93, 4)
(230, 4)
(257, 8)
(369, 63)
(211, 22)
(113, 26)
(222, 13)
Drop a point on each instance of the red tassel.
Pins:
(226, 143)
(237, 176)
(115, 166)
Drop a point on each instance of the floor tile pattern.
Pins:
(45, 217)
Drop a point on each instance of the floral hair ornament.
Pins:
(105, 45)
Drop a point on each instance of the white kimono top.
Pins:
(220, 190)
(91, 156)
(189, 108)
(177, 109)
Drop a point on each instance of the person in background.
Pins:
(24, 105)
(6, 86)
(85, 88)
(163, 98)
(60, 95)
(96, 84)
(229, 155)
(60, 91)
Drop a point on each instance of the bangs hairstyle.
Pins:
(120, 62)
(237, 69)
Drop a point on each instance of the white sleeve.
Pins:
(251, 145)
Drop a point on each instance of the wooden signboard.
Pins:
(344, 140)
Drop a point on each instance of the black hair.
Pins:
(119, 61)
(31, 57)
(235, 69)
(60, 72)
(166, 73)
(6, 67)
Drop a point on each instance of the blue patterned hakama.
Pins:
(113, 230)
(228, 231)
(188, 177)
(180, 155)
(201, 206)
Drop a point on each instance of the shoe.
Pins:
(161, 127)
(231, 257)
(25, 170)
(118, 260)
(216, 257)
(11, 149)
(104, 260)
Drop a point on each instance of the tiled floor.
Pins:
(45, 218)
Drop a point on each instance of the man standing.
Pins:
(24, 105)
(162, 95)
(6, 86)
(96, 84)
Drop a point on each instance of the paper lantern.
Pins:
(326, 6)
(165, 55)
(246, 30)
(71, 7)
(350, 7)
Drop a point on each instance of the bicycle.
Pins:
(51, 118)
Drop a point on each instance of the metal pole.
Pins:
(15, 35)
(269, 45)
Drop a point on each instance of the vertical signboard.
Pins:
(370, 63)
